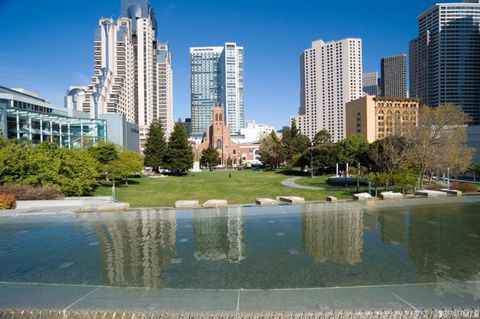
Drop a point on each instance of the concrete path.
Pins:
(290, 182)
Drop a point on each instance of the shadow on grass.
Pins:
(291, 172)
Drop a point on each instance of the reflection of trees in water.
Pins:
(334, 235)
(220, 235)
(393, 227)
(134, 251)
(443, 246)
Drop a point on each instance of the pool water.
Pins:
(317, 245)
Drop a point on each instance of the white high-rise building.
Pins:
(132, 71)
(331, 76)
(217, 79)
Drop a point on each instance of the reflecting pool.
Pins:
(317, 245)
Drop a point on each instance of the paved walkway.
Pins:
(291, 182)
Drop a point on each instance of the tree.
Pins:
(104, 153)
(322, 137)
(388, 154)
(127, 163)
(323, 158)
(155, 147)
(270, 150)
(179, 156)
(352, 149)
(293, 143)
(438, 143)
(210, 157)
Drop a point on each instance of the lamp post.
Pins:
(358, 177)
(311, 160)
(448, 178)
(113, 191)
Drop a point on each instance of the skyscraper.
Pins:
(444, 58)
(331, 76)
(370, 83)
(217, 79)
(394, 76)
(132, 70)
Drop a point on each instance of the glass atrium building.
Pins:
(24, 115)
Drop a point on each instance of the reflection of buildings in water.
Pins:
(370, 220)
(134, 251)
(220, 236)
(393, 227)
(334, 234)
(439, 244)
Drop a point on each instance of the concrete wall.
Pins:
(121, 132)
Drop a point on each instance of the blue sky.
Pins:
(45, 46)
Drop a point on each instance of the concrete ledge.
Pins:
(451, 192)
(187, 204)
(429, 193)
(291, 199)
(331, 199)
(266, 202)
(390, 195)
(215, 203)
(362, 196)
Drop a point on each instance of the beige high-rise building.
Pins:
(331, 76)
(132, 74)
(379, 117)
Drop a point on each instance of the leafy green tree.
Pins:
(293, 142)
(352, 149)
(210, 157)
(104, 153)
(270, 150)
(127, 164)
(179, 157)
(322, 137)
(78, 174)
(155, 147)
(323, 157)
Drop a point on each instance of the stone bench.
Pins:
(331, 199)
(362, 196)
(215, 203)
(266, 202)
(429, 193)
(451, 192)
(390, 195)
(187, 204)
(291, 200)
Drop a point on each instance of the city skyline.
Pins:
(262, 28)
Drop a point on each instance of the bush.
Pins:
(7, 201)
(464, 187)
(27, 192)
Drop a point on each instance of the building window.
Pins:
(219, 144)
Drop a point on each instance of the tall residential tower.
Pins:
(445, 57)
(132, 74)
(331, 76)
(217, 79)
(394, 76)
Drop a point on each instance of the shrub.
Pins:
(7, 201)
(27, 192)
(464, 187)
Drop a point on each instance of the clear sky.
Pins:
(45, 46)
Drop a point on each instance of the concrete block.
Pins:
(429, 193)
(266, 202)
(187, 204)
(215, 203)
(291, 199)
(390, 195)
(451, 192)
(362, 196)
(331, 199)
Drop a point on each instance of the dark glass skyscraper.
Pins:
(394, 76)
(445, 57)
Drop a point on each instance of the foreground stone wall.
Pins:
(387, 314)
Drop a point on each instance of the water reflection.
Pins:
(393, 227)
(134, 251)
(334, 235)
(220, 235)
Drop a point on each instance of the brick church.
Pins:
(218, 135)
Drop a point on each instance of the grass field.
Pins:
(243, 188)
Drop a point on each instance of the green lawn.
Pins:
(243, 188)
(316, 181)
